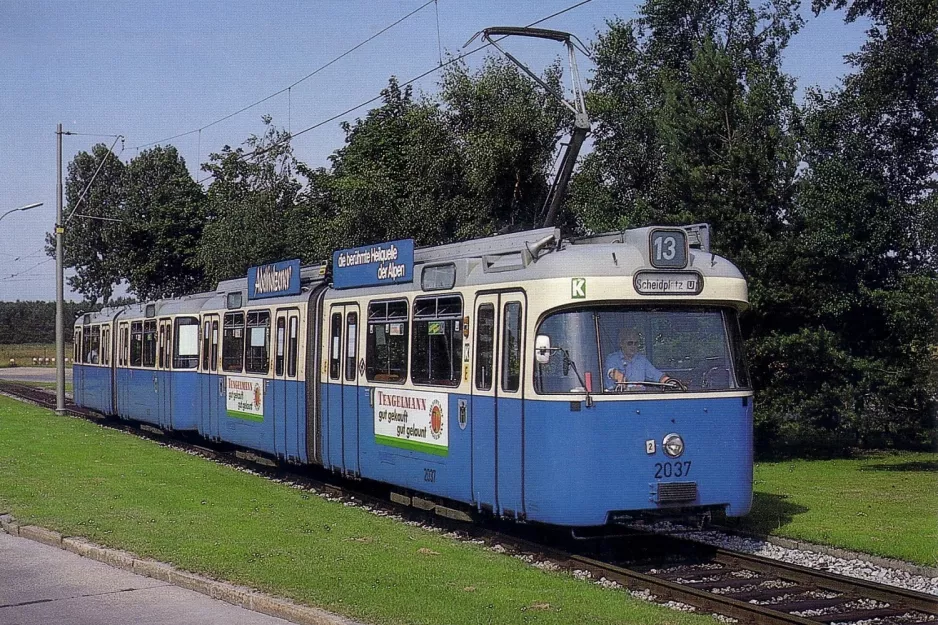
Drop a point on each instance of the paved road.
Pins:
(41, 585)
(32, 374)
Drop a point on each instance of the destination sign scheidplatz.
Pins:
(373, 265)
(668, 282)
(274, 280)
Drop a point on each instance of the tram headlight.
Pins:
(673, 445)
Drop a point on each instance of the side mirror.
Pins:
(542, 349)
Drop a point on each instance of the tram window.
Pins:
(257, 350)
(214, 363)
(485, 346)
(232, 349)
(162, 347)
(94, 357)
(386, 347)
(136, 344)
(105, 345)
(76, 347)
(206, 342)
(335, 345)
(281, 344)
(437, 341)
(186, 347)
(126, 350)
(293, 346)
(89, 347)
(149, 343)
(438, 277)
(351, 347)
(511, 348)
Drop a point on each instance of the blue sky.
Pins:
(153, 70)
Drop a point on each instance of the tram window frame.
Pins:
(215, 337)
(124, 356)
(92, 345)
(435, 317)
(335, 345)
(511, 381)
(206, 342)
(281, 345)
(293, 346)
(389, 321)
(485, 333)
(161, 348)
(105, 350)
(351, 345)
(232, 346)
(136, 340)
(257, 357)
(438, 277)
(76, 346)
(188, 360)
(149, 343)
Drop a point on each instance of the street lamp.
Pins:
(21, 208)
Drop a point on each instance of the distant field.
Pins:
(24, 354)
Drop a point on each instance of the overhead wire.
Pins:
(290, 87)
(291, 136)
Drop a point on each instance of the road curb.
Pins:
(240, 596)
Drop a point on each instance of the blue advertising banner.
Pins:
(274, 280)
(372, 265)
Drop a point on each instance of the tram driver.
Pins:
(628, 365)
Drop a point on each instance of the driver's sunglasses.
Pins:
(629, 343)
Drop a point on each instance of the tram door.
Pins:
(212, 387)
(163, 374)
(342, 396)
(287, 396)
(78, 376)
(497, 415)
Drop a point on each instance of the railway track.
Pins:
(745, 587)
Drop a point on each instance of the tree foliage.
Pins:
(163, 215)
(862, 245)
(250, 206)
(92, 247)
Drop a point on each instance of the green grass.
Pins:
(884, 504)
(25, 352)
(117, 490)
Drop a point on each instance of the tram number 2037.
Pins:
(672, 469)
(429, 475)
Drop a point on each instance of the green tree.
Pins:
(693, 121)
(251, 206)
(91, 245)
(399, 175)
(507, 130)
(863, 252)
(163, 217)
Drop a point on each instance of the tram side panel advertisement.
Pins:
(412, 420)
(245, 398)
(373, 265)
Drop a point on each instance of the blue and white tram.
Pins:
(473, 373)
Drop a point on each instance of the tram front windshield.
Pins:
(631, 350)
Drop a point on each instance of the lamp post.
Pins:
(21, 208)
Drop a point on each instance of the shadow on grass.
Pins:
(769, 512)
(931, 467)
